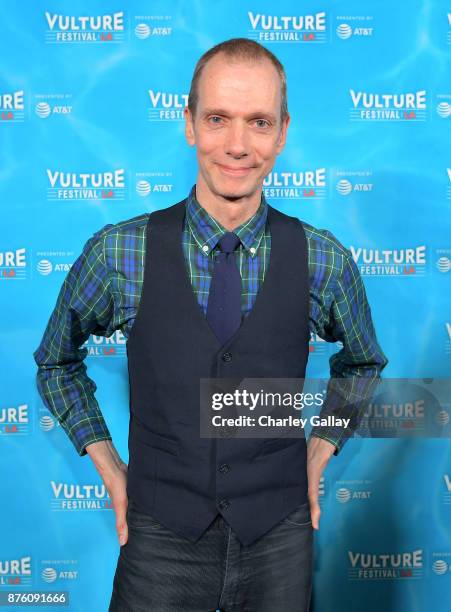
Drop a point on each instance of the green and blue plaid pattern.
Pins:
(102, 290)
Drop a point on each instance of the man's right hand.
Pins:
(113, 472)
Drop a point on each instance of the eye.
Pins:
(214, 117)
(263, 123)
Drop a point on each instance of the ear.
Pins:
(189, 127)
(283, 134)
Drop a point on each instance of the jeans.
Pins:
(160, 571)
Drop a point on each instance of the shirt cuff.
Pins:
(84, 429)
(82, 449)
(330, 438)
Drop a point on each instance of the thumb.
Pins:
(315, 512)
(121, 525)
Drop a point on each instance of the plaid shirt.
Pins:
(101, 294)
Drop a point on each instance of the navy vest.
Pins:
(179, 478)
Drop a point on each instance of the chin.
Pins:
(236, 193)
(234, 188)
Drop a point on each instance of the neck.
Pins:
(230, 213)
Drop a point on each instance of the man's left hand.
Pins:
(319, 451)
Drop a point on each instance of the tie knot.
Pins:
(228, 242)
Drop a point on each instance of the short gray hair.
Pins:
(241, 49)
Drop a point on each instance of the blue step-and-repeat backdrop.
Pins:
(92, 132)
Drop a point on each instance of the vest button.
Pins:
(224, 468)
(227, 357)
(224, 504)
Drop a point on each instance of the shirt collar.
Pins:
(207, 231)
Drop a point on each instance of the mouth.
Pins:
(235, 171)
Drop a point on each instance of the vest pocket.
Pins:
(275, 444)
(155, 440)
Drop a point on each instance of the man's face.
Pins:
(237, 129)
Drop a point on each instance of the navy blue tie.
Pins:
(224, 298)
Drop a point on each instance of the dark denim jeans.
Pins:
(160, 571)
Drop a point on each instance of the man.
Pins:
(219, 285)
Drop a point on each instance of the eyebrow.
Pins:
(257, 113)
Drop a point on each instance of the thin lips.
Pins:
(237, 168)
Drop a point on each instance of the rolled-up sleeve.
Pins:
(84, 306)
(360, 361)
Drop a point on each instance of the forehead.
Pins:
(239, 83)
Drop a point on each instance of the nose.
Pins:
(236, 143)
